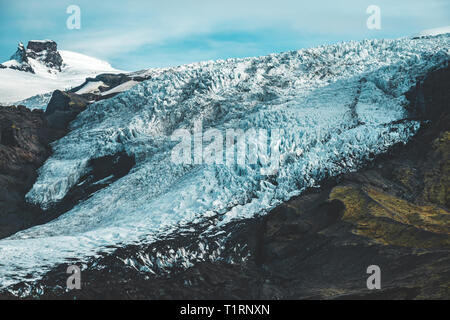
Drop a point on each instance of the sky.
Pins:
(134, 35)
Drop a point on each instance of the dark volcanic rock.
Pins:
(429, 98)
(63, 108)
(25, 138)
(46, 52)
(111, 80)
(39, 46)
(24, 146)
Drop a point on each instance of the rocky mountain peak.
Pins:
(44, 52)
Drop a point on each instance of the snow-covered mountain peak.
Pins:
(41, 68)
(40, 56)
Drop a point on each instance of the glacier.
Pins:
(338, 105)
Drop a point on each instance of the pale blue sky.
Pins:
(134, 35)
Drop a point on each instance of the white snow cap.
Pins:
(434, 31)
(16, 85)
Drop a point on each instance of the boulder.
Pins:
(63, 108)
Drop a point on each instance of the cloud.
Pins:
(111, 29)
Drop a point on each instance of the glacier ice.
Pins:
(338, 106)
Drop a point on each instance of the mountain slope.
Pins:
(339, 106)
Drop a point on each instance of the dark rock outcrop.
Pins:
(24, 146)
(429, 98)
(63, 108)
(25, 138)
(42, 45)
(45, 52)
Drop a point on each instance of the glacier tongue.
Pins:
(337, 105)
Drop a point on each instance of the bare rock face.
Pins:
(63, 108)
(39, 46)
(25, 138)
(24, 146)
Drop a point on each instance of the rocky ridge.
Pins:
(42, 51)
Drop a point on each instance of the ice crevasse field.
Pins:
(338, 105)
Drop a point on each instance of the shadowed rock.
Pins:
(24, 146)
(63, 108)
